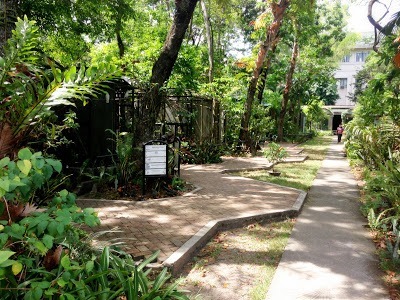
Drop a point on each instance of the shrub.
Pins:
(44, 254)
(201, 153)
(275, 153)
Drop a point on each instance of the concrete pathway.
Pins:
(329, 255)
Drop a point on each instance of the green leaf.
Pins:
(25, 166)
(37, 180)
(37, 293)
(60, 228)
(66, 276)
(3, 239)
(5, 184)
(61, 282)
(48, 241)
(24, 154)
(42, 225)
(56, 164)
(47, 171)
(38, 163)
(65, 262)
(41, 284)
(69, 296)
(52, 227)
(89, 266)
(50, 291)
(15, 230)
(4, 162)
(4, 255)
(16, 182)
(70, 74)
(16, 267)
(7, 263)
(91, 220)
(41, 247)
(63, 193)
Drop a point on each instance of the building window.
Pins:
(361, 56)
(346, 58)
(343, 83)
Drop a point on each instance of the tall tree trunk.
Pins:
(8, 11)
(286, 91)
(163, 66)
(264, 73)
(278, 10)
(210, 40)
(121, 46)
(210, 46)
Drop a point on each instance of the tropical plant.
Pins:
(126, 167)
(275, 153)
(31, 84)
(205, 152)
(44, 253)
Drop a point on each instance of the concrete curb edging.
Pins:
(185, 253)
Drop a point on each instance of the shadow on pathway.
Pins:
(179, 226)
(329, 254)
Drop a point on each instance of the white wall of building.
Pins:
(345, 75)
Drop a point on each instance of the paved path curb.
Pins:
(184, 254)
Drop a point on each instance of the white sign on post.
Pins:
(155, 157)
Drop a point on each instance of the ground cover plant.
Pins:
(378, 169)
(45, 253)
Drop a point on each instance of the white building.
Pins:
(345, 75)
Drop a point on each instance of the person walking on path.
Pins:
(329, 254)
(339, 132)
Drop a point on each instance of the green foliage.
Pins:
(376, 143)
(373, 136)
(43, 253)
(125, 165)
(20, 180)
(201, 153)
(315, 113)
(298, 175)
(260, 123)
(178, 184)
(275, 153)
(30, 85)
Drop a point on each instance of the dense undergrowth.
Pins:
(45, 253)
(373, 145)
(374, 152)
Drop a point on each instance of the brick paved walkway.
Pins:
(166, 224)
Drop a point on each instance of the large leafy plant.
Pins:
(31, 84)
(44, 253)
(33, 240)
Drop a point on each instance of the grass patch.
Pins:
(250, 254)
(275, 237)
(297, 175)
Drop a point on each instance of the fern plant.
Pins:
(31, 84)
